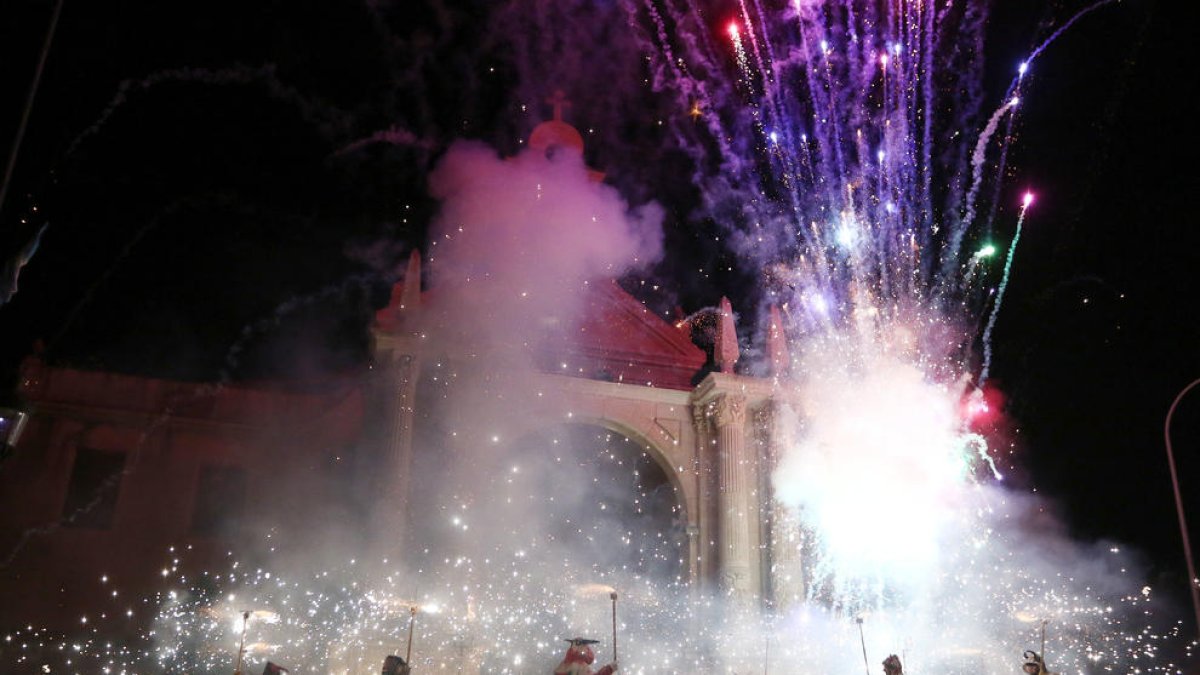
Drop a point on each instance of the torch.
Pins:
(412, 619)
(237, 670)
(863, 639)
(1044, 622)
(613, 596)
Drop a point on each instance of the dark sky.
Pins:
(206, 223)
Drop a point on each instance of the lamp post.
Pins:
(12, 423)
(1183, 529)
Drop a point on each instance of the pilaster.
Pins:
(725, 400)
(733, 496)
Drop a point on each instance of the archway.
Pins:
(580, 502)
(610, 498)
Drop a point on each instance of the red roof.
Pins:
(617, 338)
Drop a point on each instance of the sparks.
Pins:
(886, 484)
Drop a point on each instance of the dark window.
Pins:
(95, 484)
(220, 496)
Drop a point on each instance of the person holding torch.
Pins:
(579, 658)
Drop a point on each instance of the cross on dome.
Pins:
(555, 135)
(559, 100)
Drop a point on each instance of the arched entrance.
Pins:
(624, 371)
(606, 498)
(581, 502)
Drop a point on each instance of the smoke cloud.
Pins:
(520, 238)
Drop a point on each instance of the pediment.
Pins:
(619, 338)
(612, 336)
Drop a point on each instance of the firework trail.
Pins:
(320, 114)
(849, 173)
(390, 136)
(991, 322)
(825, 140)
(1062, 29)
(978, 160)
(735, 36)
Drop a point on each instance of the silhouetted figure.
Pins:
(394, 665)
(579, 658)
(1035, 664)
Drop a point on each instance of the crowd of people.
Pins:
(579, 659)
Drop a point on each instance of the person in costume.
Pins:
(394, 665)
(579, 657)
(1035, 664)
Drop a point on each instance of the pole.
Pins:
(237, 670)
(33, 87)
(862, 638)
(613, 596)
(1044, 639)
(1183, 529)
(412, 619)
(767, 654)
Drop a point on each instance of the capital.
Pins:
(729, 409)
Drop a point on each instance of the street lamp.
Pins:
(12, 423)
(1183, 529)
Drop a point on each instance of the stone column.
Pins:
(693, 553)
(787, 564)
(700, 533)
(734, 498)
(783, 532)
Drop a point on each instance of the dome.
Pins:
(555, 134)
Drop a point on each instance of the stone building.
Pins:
(114, 470)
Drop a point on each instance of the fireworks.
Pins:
(844, 147)
(855, 163)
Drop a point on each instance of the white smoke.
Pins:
(518, 241)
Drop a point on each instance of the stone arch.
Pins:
(660, 420)
(657, 453)
(662, 516)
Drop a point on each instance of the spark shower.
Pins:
(853, 155)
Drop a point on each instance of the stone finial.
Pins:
(405, 297)
(777, 346)
(725, 348)
(411, 296)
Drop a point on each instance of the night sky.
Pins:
(217, 217)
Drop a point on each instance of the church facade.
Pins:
(708, 428)
(116, 475)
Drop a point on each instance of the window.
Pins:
(92, 492)
(220, 497)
